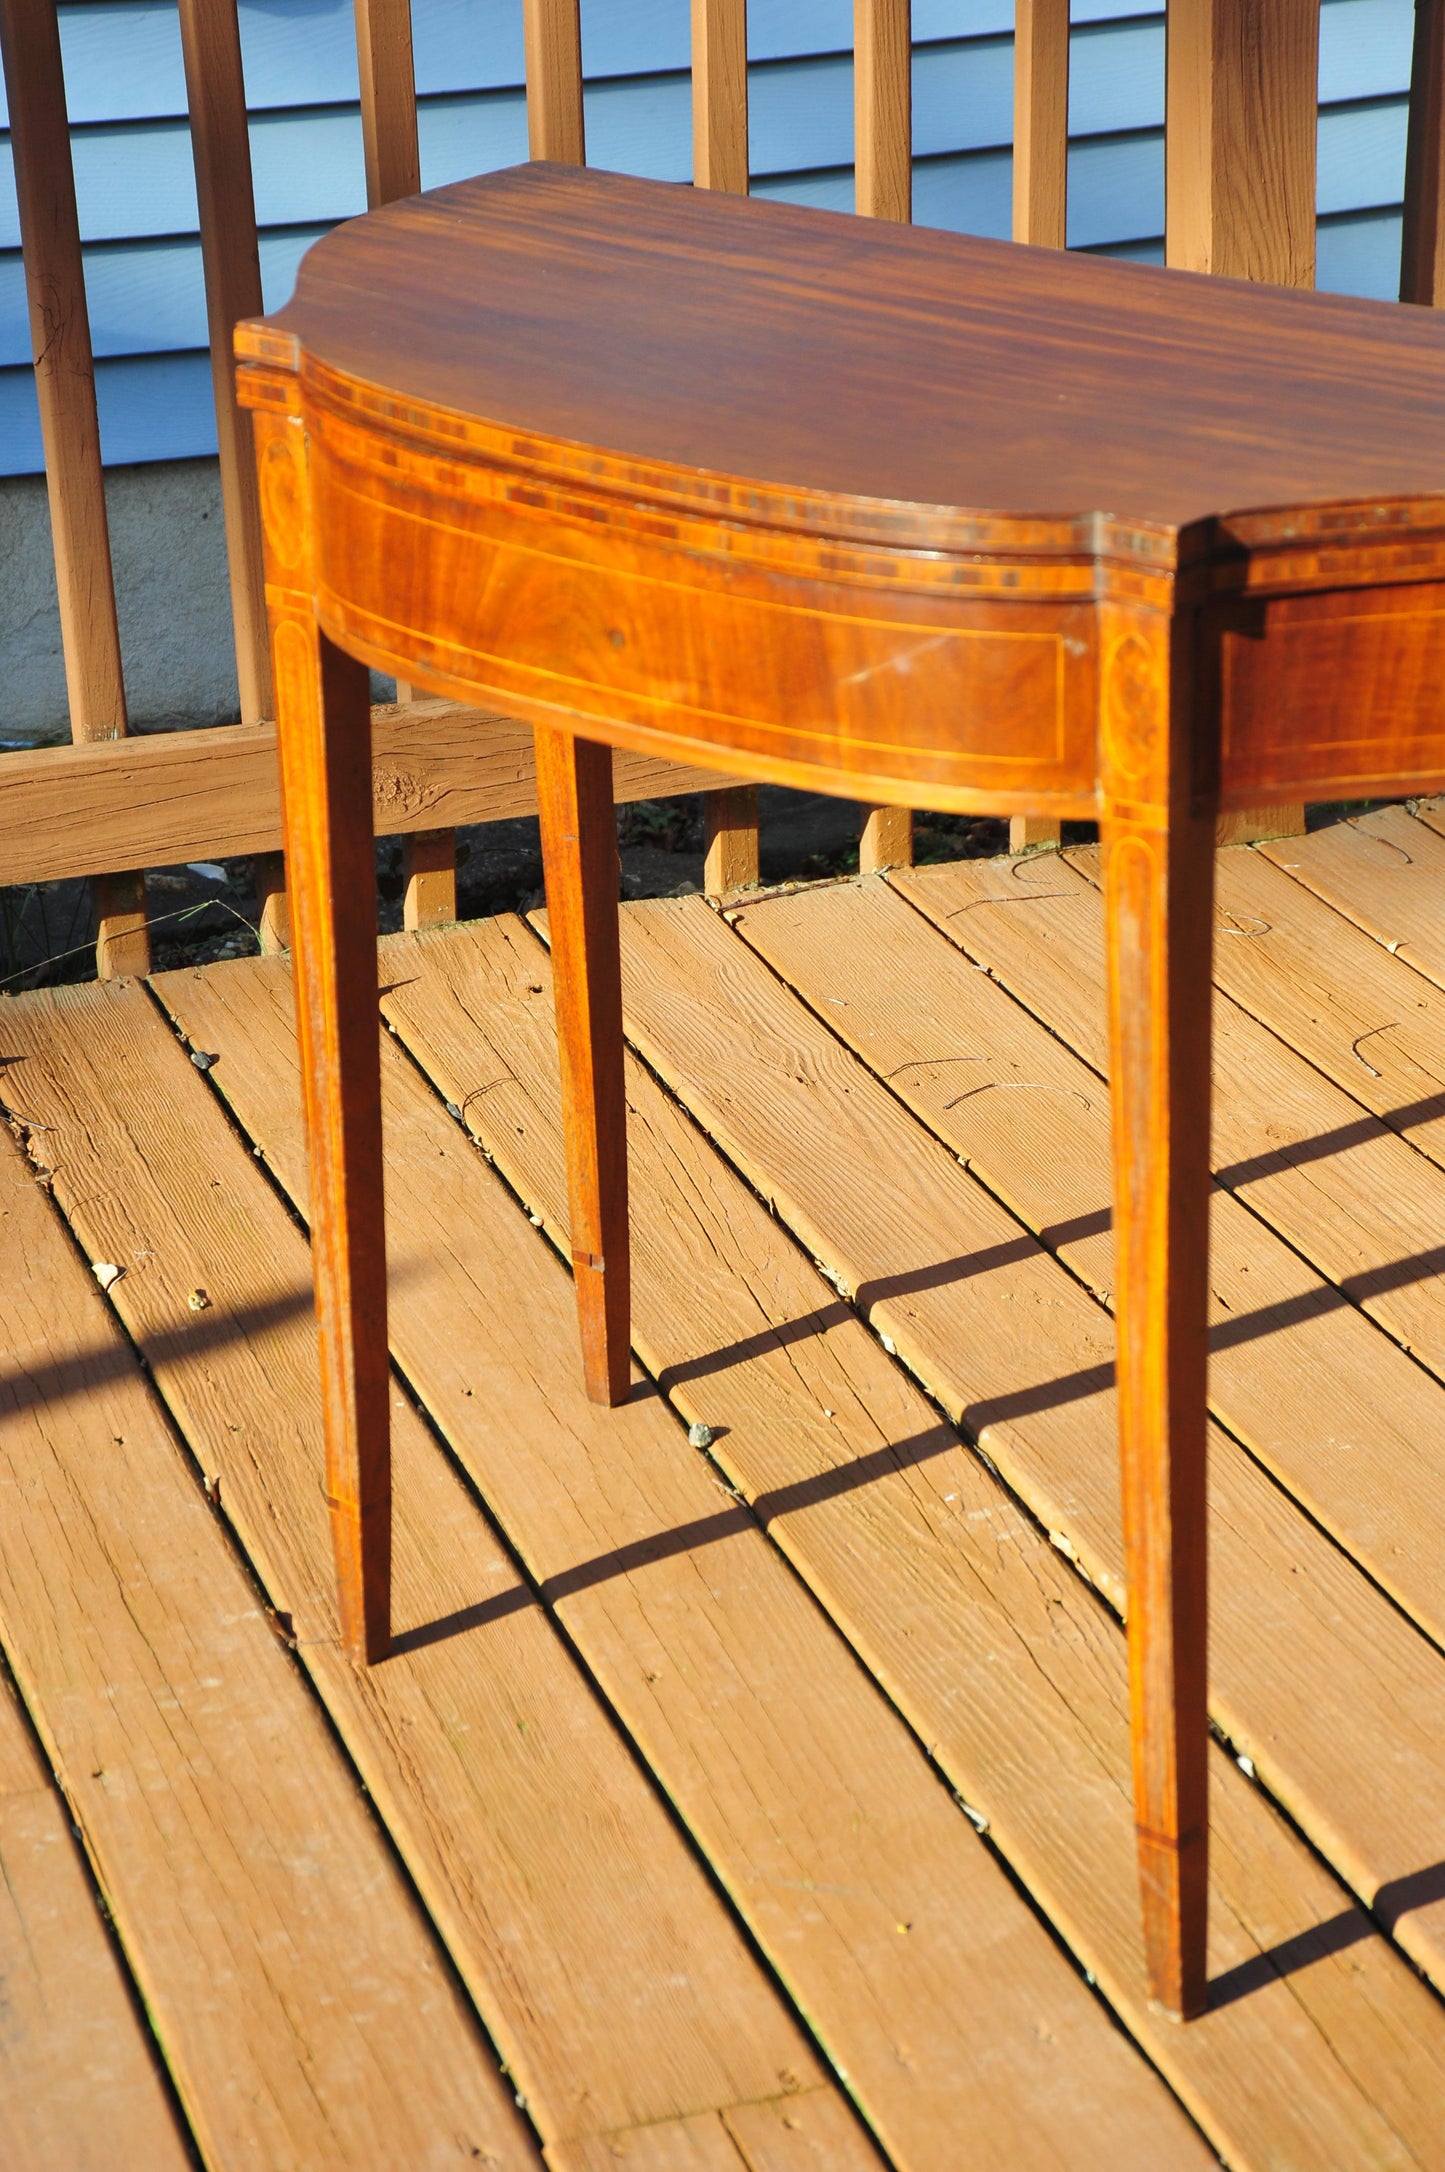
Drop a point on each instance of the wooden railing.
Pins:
(1240, 157)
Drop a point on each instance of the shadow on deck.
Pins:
(764, 1804)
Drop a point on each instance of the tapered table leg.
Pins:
(1158, 839)
(579, 853)
(323, 717)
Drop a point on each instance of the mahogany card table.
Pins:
(914, 518)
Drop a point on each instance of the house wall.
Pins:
(138, 218)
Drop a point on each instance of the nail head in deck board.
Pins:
(609, 1975)
(1001, 1660)
(1336, 1182)
(294, 1987)
(172, 796)
(807, 1796)
(1342, 1417)
(1001, 1334)
(79, 2086)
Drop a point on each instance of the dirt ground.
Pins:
(208, 910)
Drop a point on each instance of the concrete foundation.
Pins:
(168, 545)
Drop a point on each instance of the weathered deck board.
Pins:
(1385, 871)
(607, 1971)
(1008, 1341)
(806, 1794)
(1343, 1418)
(998, 1655)
(305, 2014)
(1367, 1020)
(79, 2085)
(1341, 1186)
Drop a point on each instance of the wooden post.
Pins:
(388, 100)
(429, 862)
(1041, 122)
(720, 161)
(552, 38)
(886, 840)
(1041, 186)
(1422, 252)
(70, 429)
(1242, 114)
(221, 149)
(883, 109)
(393, 170)
(720, 95)
(579, 853)
(323, 723)
(883, 189)
(1158, 836)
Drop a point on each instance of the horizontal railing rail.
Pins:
(1240, 197)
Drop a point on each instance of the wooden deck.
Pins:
(763, 1805)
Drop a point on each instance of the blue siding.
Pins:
(136, 187)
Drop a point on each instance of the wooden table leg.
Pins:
(579, 853)
(1159, 881)
(323, 717)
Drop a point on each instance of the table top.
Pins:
(815, 352)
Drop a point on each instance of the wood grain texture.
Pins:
(886, 839)
(70, 432)
(730, 840)
(883, 109)
(296, 1991)
(720, 161)
(552, 35)
(1242, 101)
(810, 2132)
(608, 1973)
(323, 728)
(709, 604)
(1346, 1191)
(429, 878)
(174, 796)
(720, 95)
(388, 100)
(1158, 852)
(803, 1791)
(579, 854)
(1011, 1345)
(1381, 870)
(996, 1653)
(216, 101)
(1200, 398)
(1373, 1025)
(1040, 201)
(79, 2072)
(1041, 122)
(1422, 245)
(1296, 1372)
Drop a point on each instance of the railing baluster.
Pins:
(883, 189)
(720, 161)
(720, 95)
(1422, 250)
(1241, 121)
(1041, 198)
(883, 109)
(552, 33)
(393, 169)
(1041, 122)
(388, 100)
(221, 149)
(65, 384)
